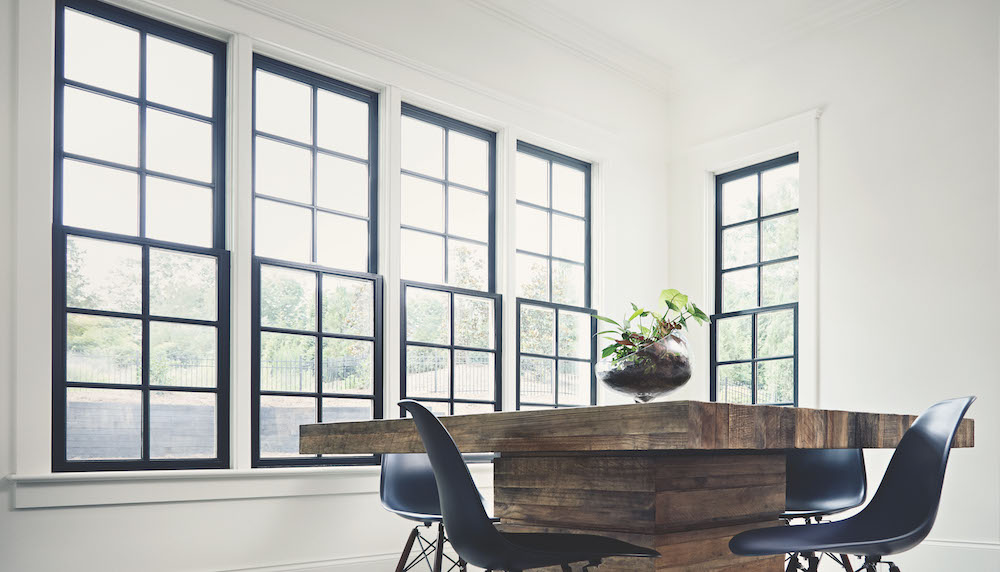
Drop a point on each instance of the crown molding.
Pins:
(600, 48)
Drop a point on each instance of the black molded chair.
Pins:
(901, 513)
(820, 483)
(475, 537)
(408, 489)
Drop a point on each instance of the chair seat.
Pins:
(549, 548)
(790, 514)
(849, 536)
(423, 517)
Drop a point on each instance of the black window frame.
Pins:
(452, 347)
(318, 81)
(757, 169)
(556, 358)
(553, 157)
(61, 233)
(451, 124)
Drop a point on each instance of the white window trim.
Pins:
(34, 485)
(797, 134)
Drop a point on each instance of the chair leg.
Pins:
(406, 550)
(439, 553)
(845, 561)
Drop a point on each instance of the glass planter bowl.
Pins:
(651, 371)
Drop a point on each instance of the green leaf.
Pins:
(702, 317)
(634, 307)
(606, 332)
(673, 299)
(608, 320)
(638, 312)
(608, 351)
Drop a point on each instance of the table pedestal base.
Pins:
(686, 506)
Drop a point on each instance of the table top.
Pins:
(665, 427)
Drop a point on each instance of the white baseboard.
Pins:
(938, 555)
(374, 563)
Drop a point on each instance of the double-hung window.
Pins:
(140, 267)
(754, 332)
(450, 318)
(555, 326)
(317, 300)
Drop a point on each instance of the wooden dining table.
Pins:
(682, 477)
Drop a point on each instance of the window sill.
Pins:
(144, 487)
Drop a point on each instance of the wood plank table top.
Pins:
(666, 427)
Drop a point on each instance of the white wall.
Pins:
(907, 226)
(489, 69)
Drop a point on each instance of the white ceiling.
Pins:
(661, 43)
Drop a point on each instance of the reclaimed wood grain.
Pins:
(669, 426)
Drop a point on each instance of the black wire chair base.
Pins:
(428, 550)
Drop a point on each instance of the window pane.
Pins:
(468, 265)
(780, 189)
(532, 230)
(574, 334)
(182, 354)
(532, 277)
(739, 290)
(532, 179)
(103, 424)
(428, 316)
(734, 384)
(739, 245)
(468, 214)
(283, 171)
(101, 53)
(739, 200)
(422, 256)
(422, 204)
(342, 185)
(282, 231)
(428, 372)
(436, 407)
(287, 362)
(569, 239)
(283, 107)
(182, 425)
(568, 283)
(100, 198)
(178, 76)
(348, 366)
(348, 306)
(468, 160)
(178, 145)
(473, 408)
(423, 147)
(103, 350)
(100, 127)
(775, 381)
(342, 124)
(287, 298)
(474, 322)
(538, 380)
(538, 330)
(776, 334)
(574, 383)
(178, 212)
(569, 190)
(780, 283)
(734, 338)
(474, 375)
(342, 242)
(780, 237)
(280, 418)
(103, 275)
(336, 410)
(182, 285)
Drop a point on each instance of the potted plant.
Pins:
(648, 355)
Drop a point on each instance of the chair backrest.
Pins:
(469, 529)
(408, 484)
(905, 506)
(825, 481)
